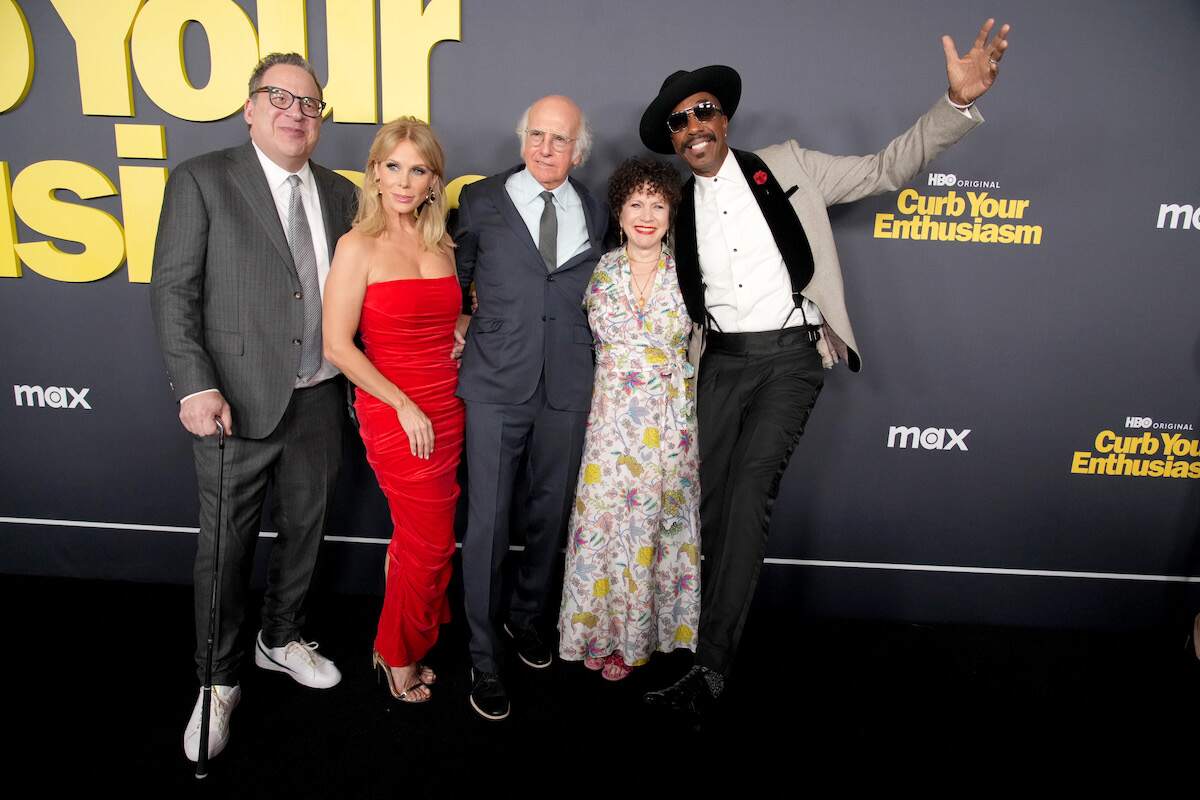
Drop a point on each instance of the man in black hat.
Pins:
(759, 272)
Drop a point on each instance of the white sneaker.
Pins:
(299, 659)
(224, 701)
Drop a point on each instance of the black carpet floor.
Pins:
(99, 685)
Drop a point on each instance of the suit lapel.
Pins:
(591, 215)
(248, 176)
(334, 219)
(687, 256)
(781, 219)
(592, 218)
(512, 217)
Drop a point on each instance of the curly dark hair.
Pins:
(658, 177)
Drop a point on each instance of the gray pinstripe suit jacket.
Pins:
(224, 290)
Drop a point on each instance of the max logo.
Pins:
(52, 396)
(928, 439)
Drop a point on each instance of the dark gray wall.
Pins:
(1035, 349)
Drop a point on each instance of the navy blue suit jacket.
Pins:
(530, 322)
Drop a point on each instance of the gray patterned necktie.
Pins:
(300, 240)
(548, 232)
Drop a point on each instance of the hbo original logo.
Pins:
(1138, 422)
(942, 179)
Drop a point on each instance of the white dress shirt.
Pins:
(747, 286)
(525, 192)
(281, 191)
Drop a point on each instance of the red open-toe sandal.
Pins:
(615, 668)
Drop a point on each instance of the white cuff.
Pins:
(193, 394)
(964, 110)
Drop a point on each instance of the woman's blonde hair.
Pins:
(431, 215)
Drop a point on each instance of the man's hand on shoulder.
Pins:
(198, 411)
(972, 74)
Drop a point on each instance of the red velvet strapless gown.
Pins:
(407, 330)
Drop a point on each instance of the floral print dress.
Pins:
(632, 582)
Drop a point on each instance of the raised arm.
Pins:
(844, 179)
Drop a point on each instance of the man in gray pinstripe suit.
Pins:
(244, 245)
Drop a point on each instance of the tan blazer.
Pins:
(823, 180)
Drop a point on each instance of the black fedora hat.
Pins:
(720, 81)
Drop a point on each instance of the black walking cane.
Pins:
(206, 692)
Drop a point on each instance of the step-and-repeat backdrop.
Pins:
(1021, 446)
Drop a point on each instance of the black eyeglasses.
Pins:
(283, 99)
(704, 111)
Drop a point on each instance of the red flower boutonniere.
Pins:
(760, 177)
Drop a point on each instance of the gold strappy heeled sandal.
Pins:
(402, 695)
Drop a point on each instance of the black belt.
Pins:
(763, 342)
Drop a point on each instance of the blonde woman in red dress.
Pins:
(392, 281)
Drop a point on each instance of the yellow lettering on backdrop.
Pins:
(101, 34)
(140, 141)
(350, 33)
(141, 194)
(10, 266)
(282, 27)
(101, 235)
(141, 203)
(454, 188)
(350, 91)
(158, 56)
(16, 57)
(413, 29)
(352, 175)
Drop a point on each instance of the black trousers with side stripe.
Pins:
(754, 395)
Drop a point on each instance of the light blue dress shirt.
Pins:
(525, 192)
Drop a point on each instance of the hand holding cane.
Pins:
(206, 692)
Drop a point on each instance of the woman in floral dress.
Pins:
(632, 583)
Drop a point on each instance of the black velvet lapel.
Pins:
(687, 256)
(781, 219)
(776, 210)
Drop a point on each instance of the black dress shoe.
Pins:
(692, 695)
(488, 697)
(530, 647)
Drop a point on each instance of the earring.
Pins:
(621, 234)
(431, 196)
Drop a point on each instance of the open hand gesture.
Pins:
(974, 73)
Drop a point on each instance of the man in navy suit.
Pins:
(528, 238)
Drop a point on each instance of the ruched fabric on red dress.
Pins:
(407, 331)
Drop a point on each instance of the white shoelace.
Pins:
(305, 649)
(218, 708)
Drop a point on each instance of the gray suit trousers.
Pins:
(300, 458)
